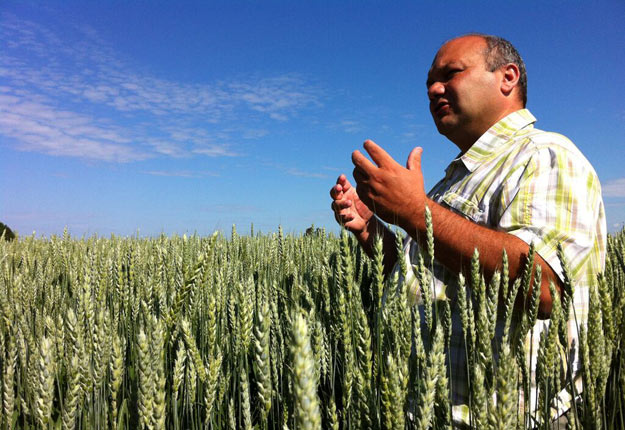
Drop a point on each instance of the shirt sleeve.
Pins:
(556, 200)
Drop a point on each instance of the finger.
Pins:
(336, 192)
(344, 217)
(360, 176)
(414, 159)
(341, 179)
(337, 213)
(342, 204)
(345, 184)
(342, 184)
(363, 192)
(379, 155)
(347, 216)
(363, 163)
(338, 219)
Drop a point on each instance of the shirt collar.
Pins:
(496, 138)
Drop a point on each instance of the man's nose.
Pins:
(436, 89)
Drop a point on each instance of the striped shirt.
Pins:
(537, 186)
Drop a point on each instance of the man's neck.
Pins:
(465, 140)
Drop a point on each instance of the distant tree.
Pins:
(6, 231)
(312, 231)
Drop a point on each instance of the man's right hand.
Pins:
(349, 210)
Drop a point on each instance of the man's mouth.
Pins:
(441, 108)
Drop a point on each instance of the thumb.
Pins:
(414, 159)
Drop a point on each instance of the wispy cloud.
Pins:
(255, 133)
(76, 97)
(180, 173)
(413, 132)
(279, 97)
(297, 172)
(38, 126)
(614, 188)
(215, 151)
(331, 169)
(350, 126)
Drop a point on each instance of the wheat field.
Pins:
(274, 331)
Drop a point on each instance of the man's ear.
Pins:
(510, 78)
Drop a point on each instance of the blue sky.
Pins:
(182, 117)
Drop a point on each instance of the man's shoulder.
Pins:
(523, 139)
(548, 150)
(542, 138)
(537, 142)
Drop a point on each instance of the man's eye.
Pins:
(452, 72)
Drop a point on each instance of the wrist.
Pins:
(371, 230)
(414, 220)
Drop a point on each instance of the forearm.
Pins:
(456, 238)
(375, 228)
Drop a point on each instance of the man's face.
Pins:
(462, 91)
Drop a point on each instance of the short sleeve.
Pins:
(556, 200)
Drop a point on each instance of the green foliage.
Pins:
(280, 331)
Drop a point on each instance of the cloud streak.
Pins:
(75, 97)
(301, 173)
(614, 188)
(37, 126)
(180, 173)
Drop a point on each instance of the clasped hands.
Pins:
(393, 192)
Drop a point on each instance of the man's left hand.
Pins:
(394, 193)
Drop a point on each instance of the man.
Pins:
(510, 186)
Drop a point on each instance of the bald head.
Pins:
(497, 53)
(467, 95)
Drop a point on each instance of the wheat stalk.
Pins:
(307, 414)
